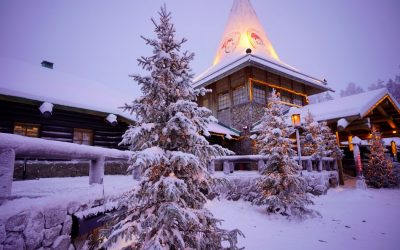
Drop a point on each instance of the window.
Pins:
(259, 94)
(26, 129)
(223, 101)
(239, 95)
(83, 136)
(206, 103)
(285, 97)
(298, 100)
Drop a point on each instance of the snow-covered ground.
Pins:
(352, 219)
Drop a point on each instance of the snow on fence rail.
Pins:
(307, 162)
(12, 146)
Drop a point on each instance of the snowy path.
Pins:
(352, 219)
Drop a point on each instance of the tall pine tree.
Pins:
(379, 171)
(167, 210)
(282, 189)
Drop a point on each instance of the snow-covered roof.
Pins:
(355, 105)
(21, 79)
(223, 130)
(244, 31)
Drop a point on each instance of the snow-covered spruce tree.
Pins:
(379, 171)
(318, 140)
(330, 145)
(167, 210)
(282, 189)
(311, 140)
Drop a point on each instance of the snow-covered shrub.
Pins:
(167, 210)
(280, 188)
(379, 171)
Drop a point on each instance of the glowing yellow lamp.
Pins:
(296, 120)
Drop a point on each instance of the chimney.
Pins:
(47, 64)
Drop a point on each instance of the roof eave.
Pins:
(251, 62)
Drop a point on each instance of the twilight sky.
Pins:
(340, 40)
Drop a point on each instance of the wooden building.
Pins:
(245, 70)
(22, 116)
(355, 116)
(39, 101)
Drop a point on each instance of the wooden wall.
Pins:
(60, 126)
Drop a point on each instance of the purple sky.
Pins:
(340, 40)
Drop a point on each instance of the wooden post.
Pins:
(7, 160)
(96, 171)
(137, 173)
(320, 165)
(211, 167)
(261, 166)
(340, 164)
(227, 167)
(309, 165)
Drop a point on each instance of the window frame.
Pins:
(226, 102)
(240, 95)
(80, 140)
(25, 129)
(255, 93)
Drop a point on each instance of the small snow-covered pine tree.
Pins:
(330, 144)
(282, 189)
(311, 139)
(318, 140)
(379, 171)
(167, 210)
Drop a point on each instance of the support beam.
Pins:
(389, 119)
(96, 171)
(7, 160)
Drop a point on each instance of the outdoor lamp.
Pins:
(295, 116)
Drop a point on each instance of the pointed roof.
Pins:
(354, 105)
(244, 31)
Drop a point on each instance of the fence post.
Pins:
(137, 173)
(309, 165)
(261, 165)
(211, 167)
(227, 167)
(7, 160)
(96, 170)
(320, 165)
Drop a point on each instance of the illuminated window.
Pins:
(239, 95)
(223, 101)
(25, 129)
(259, 94)
(83, 136)
(298, 100)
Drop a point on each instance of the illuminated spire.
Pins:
(244, 31)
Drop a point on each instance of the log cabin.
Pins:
(245, 70)
(39, 101)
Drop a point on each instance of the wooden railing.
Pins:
(308, 163)
(12, 146)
